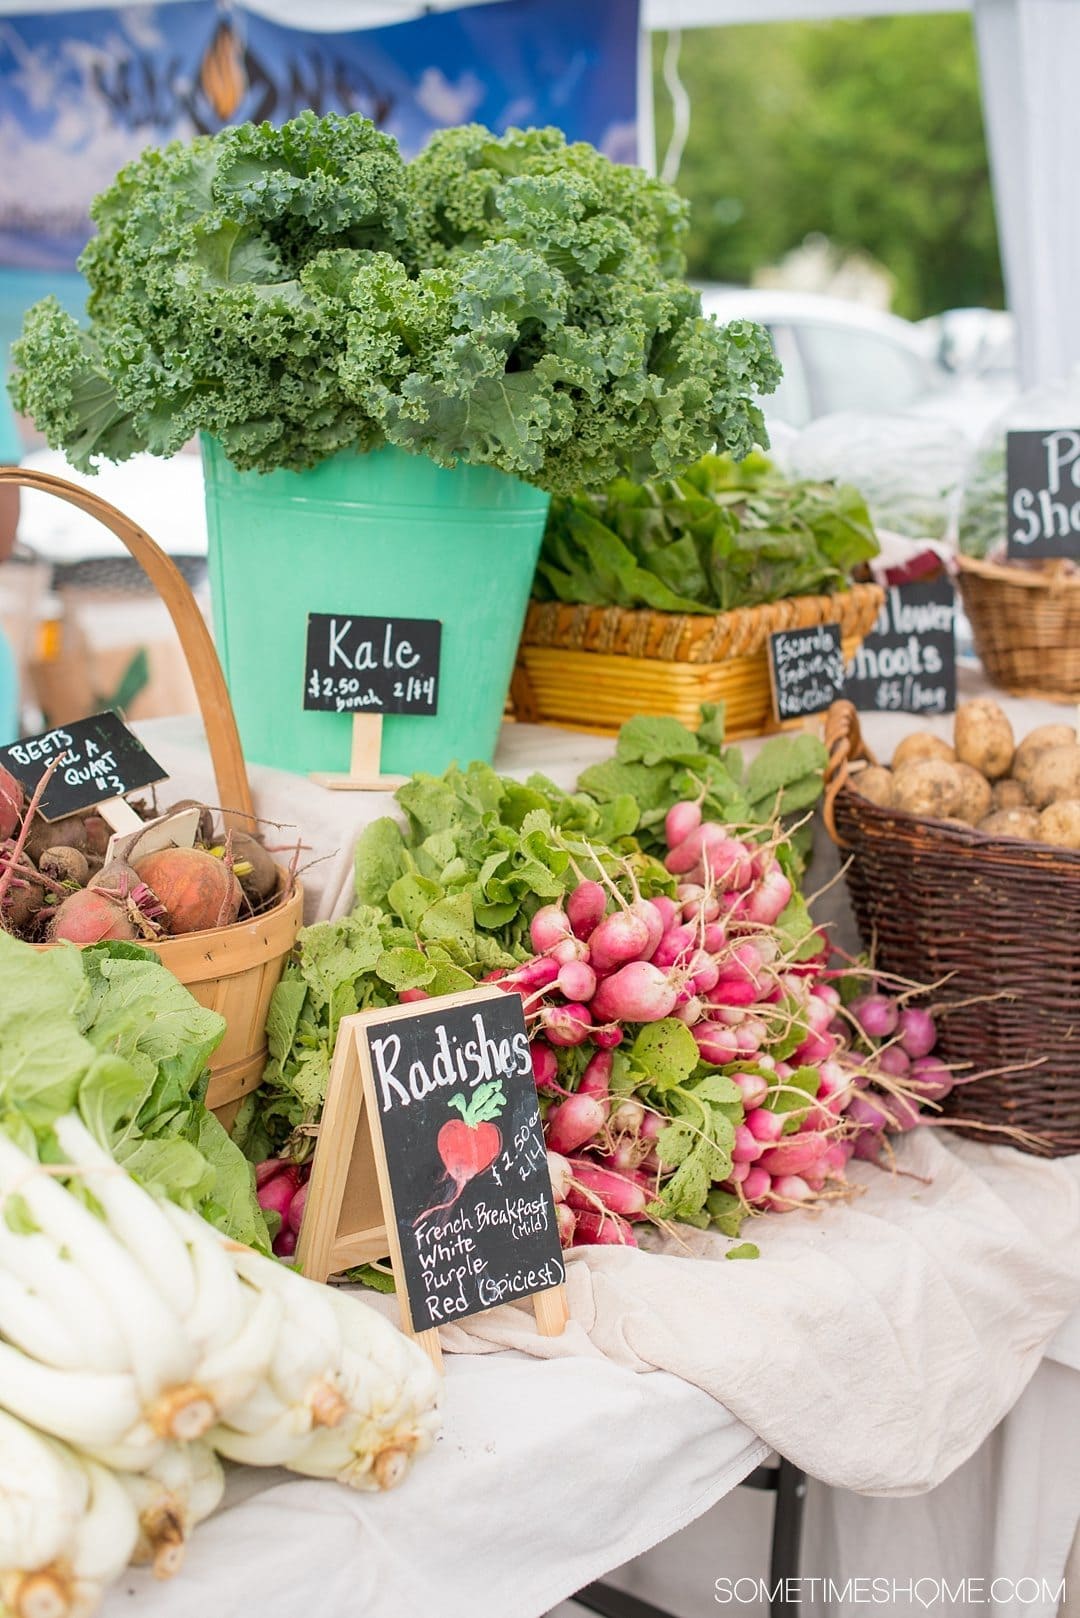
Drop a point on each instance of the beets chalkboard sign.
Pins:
(806, 667)
(431, 1150)
(907, 663)
(1043, 476)
(372, 665)
(102, 759)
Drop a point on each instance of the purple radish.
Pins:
(931, 1078)
(549, 927)
(868, 1145)
(876, 1015)
(285, 1242)
(574, 1122)
(637, 992)
(576, 980)
(296, 1207)
(868, 1112)
(567, 1025)
(894, 1061)
(917, 1031)
(903, 1113)
(619, 938)
(680, 820)
(585, 908)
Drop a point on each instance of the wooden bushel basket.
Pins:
(998, 918)
(231, 970)
(1026, 626)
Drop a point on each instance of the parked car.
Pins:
(843, 356)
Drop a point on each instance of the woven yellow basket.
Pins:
(1026, 624)
(593, 668)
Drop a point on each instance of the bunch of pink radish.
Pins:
(282, 1187)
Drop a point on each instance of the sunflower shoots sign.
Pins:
(431, 1150)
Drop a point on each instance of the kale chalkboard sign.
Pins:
(907, 663)
(436, 1102)
(102, 759)
(372, 665)
(806, 667)
(1043, 476)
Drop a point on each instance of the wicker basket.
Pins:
(231, 970)
(997, 914)
(592, 668)
(1026, 624)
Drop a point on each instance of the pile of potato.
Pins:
(985, 780)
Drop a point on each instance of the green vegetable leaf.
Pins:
(379, 860)
(404, 969)
(743, 1250)
(665, 1052)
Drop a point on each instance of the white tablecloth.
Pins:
(877, 1344)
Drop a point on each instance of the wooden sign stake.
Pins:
(349, 1216)
(168, 831)
(364, 766)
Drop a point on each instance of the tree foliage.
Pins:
(869, 131)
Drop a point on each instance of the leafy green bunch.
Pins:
(506, 301)
(720, 535)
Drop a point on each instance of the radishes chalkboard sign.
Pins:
(431, 1150)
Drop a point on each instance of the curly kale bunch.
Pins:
(511, 302)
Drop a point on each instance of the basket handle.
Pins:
(844, 742)
(219, 721)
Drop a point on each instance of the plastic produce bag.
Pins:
(909, 469)
(982, 524)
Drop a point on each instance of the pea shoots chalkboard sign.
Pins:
(1043, 477)
(806, 667)
(369, 667)
(431, 1149)
(102, 760)
(907, 663)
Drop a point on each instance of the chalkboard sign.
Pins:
(907, 663)
(806, 667)
(431, 1150)
(372, 665)
(1043, 516)
(102, 760)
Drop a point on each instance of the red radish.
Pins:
(715, 1042)
(574, 1122)
(739, 1171)
(790, 1189)
(680, 820)
(607, 1035)
(894, 1061)
(691, 1011)
(296, 1208)
(565, 1224)
(276, 1194)
(836, 1158)
(816, 1048)
(646, 912)
(285, 1242)
(686, 855)
(90, 917)
(545, 1066)
(585, 908)
(409, 997)
(602, 1230)
(651, 1125)
(794, 1154)
(532, 975)
(697, 904)
(904, 1113)
(727, 862)
(576, 980)
(869, 1144)
(628, 1116)
(918, 1034)
(769, 898)
(570, 949)
(706, 972)
(734, 993)
(596, 1079)
(470, 1144)
(637, 992)
(757, 1184)
(549, 926)
(11, 797)
(868, 1112)
(567, 1025)
(931, 1078)
(267, 1169)
(714, 938)
(676, 945)
(876, 1015)
(764, 1125)
(747, 1148)
(618, 1193)
(619, 938)
(666, 909)
(754, 1089)
(625, 1158)
(750, 1035)
(561, 1175)
(828, 993)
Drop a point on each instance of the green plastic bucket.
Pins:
(382, 535)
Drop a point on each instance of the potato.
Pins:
(983, 737)
(1059, 823)
(1008, 794)
(875, 783)
(976, 796)
(1012, 823)
(1055, 774)
(1035, 743)
(922, 744)
(929, 786)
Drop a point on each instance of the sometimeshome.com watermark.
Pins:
(868, 1592)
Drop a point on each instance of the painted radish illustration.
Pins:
(470, 1144)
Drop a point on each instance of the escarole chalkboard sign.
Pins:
(806, 668)
(1043, 493)
(431, 1149)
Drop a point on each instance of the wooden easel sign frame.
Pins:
(431, 1149)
